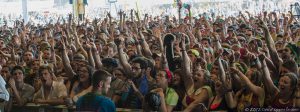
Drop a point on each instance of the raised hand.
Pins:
(133, 85)
(261, 23)
(88, 46)
(157, 32)
(251, 56)
(265, 13)
(261, 57)
(234, 70)
(119, 41)
(228, 83)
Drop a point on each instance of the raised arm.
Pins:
(96, 56)
(78, 44)
(221, 70)
(257, 90)
(90, 54)
(271, 89)
(187, 73)
(145, 46)
(123, 60)
(53, 56)
(270, 44)
(229, 96)
(66, 62)
(276, 22)
(157, 35)
(137, 44)
(121, 21)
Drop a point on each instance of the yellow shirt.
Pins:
(192, 91)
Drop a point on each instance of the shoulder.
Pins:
(171, 91)
(206, 89)
(58, 84)
(190, 90)
(104, 99)
(106, 102)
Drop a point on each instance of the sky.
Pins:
(47, 5)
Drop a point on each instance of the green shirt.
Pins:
(171, 97)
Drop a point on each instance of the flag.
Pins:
(179, 3)
(137, 8)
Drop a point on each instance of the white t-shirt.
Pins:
(4, 95)
(3, 91)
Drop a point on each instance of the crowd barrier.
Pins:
(32, 107)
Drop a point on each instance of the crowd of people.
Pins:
(153, 63)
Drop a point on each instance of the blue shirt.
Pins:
(132, 100)
(95, 103)
(143, 85)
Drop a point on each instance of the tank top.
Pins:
(277, 104)
(219, 106)
(249, 101)
(187, 100)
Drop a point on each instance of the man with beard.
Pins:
(28, 57)
(96, 101)
(137, 69)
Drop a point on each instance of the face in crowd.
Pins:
(161, 78)
(1, 44)
(46, 76)
(136, 69)
(119, 74)
(83, 73)
(28, 56)
(5, 73)
(18, 76)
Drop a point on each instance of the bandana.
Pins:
(169, 75)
